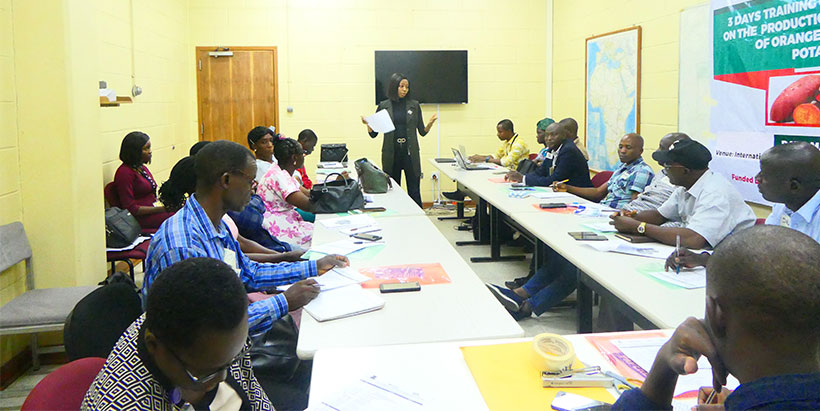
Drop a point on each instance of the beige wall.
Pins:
(325, 53)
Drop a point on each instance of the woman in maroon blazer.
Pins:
(135, 186)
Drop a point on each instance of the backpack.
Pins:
(121, 228)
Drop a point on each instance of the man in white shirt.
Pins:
(707, 204)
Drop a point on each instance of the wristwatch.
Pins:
(641, 228)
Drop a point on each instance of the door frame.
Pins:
(238, 48)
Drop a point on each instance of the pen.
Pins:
(563, 181)
(677, 254)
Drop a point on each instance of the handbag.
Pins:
(121, 228)
(372, 179)
(336, 196)
(526, 166)
(333, 152)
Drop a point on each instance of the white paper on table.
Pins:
(615, 245)
(344, 247)
(330, 164)
(594, 210)
(360, 230)
(348, 221)
(643, 351)
(369, 394)
(688, 278)
(343, 302)
(548, 195)
(380, 122)
(340, 277)
(602, 226)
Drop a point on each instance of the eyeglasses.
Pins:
(220, 373)
(251, 180)
(667, 166)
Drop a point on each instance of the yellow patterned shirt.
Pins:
(513, 151)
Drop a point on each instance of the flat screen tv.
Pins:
(436, 76)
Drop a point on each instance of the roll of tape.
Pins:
(552, 353)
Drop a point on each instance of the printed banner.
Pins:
(765, 83)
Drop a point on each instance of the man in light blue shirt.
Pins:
(790, 176)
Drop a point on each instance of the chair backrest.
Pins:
(532, 156)
(65, 387)
(601, 178)
(760, 221)
(110, 194)
(14, 247)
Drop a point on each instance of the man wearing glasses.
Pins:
(189, 349)
(709, 207)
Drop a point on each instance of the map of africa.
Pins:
(612, 95)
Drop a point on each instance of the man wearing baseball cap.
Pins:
(708, 205)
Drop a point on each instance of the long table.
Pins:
(647, 302)
(462, 310)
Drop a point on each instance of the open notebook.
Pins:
(343, 302)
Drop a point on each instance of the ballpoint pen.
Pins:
(677, 254)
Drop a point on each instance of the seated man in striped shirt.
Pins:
(629, 180)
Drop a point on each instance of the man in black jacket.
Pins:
(564, 162)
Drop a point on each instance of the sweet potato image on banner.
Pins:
(807, 114)
(804, 90)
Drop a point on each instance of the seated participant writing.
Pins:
(260, 140)
(135, 186)
(563, 162)
(629, 180)
(225, 173)
(572, 128)
(762, 300)
(182, 183)
(281, 193)
(511, 152)
(789, 177)
(659, 190)
(708, 206)
(307, 139)
(190, 348)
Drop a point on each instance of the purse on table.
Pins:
(372, 179)
(336, 196)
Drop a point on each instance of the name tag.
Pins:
(785, 220)
(229, 257)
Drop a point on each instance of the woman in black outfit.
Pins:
(400, 148)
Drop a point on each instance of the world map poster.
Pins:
(613, 71)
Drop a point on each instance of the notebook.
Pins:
(343, 302)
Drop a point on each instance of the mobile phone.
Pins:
(586, 236)
(399, 287)
(520, 188)
(552, 205)
(565, 401)
(519, 185)
(368, 237)
(372, 209)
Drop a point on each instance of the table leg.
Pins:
(483, 232)
(495, 241)
(584, 308)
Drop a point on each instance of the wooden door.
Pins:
(236, 91)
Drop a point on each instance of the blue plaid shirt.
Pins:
(628, 178)
(189, 233)
(249, 223)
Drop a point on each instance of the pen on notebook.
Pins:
(563, 181)
(677, 254)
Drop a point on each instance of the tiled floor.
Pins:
(559, 321)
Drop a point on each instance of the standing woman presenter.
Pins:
(400, 148)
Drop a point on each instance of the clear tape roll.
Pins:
(552, 353)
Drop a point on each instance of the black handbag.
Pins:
(121, 228)
(526, 166)
(336, 196)
(372, 179)
(333, 152)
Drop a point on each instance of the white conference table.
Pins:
(436, 371)
(462, 310)
(646, 301)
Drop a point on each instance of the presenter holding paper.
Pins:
(400, 148)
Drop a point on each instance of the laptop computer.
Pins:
(466, 165)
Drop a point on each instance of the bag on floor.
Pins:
(336, 196)
(121, 228)
(372, 179)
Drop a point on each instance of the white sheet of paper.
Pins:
(601, 225)
(643, 351)
(615, 245)
(344, 247)
(380, 122)
(549, 195)
(343, 302)
(349, 221)
(688, 278)
(369, 394)
(360, 230)
(340, 277)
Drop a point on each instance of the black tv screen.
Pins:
(436, 76)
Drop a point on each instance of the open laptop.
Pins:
(466, 165)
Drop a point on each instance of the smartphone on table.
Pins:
(367, 237)
(586, 236)
(399, 287)
(552, 205)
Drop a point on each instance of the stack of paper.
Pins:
(688, 278)
(350, 221)
(343, 302)
(651, 250)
